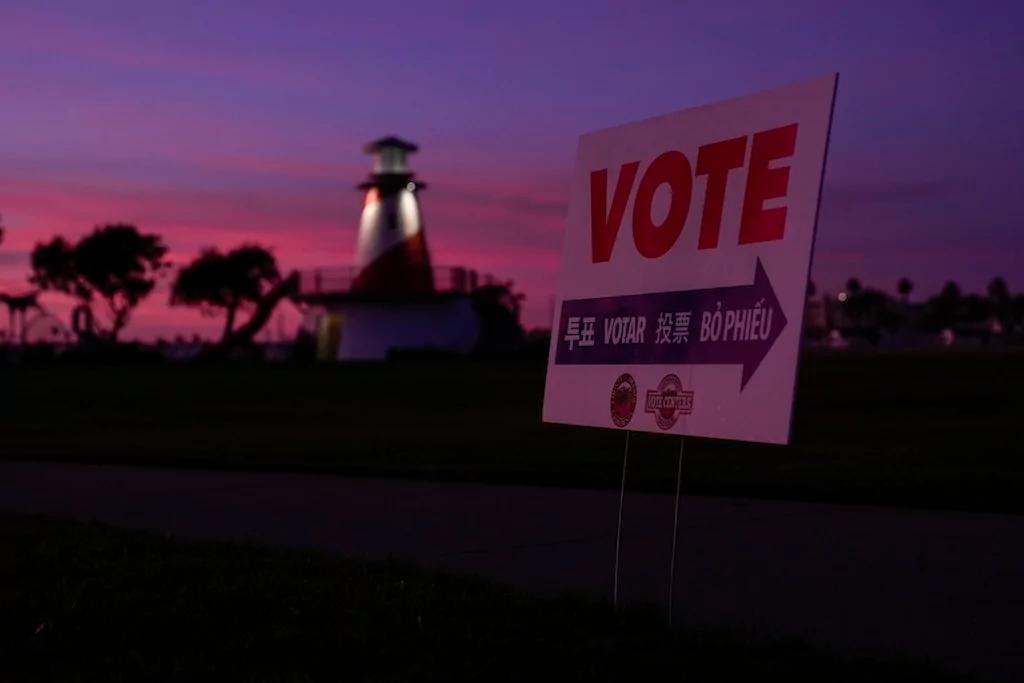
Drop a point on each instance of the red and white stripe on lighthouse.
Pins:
(391, 255)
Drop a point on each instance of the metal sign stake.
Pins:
(618, 531)
(675, 531)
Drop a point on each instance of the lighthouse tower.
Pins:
(391, 255)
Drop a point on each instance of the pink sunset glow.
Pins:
(245, 124)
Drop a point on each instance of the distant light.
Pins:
(842, 296)
(410, 186)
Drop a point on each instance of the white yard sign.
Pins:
(685, 268)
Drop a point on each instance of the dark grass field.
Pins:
(932, 430)
(85, 602)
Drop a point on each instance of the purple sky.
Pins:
(216, 123)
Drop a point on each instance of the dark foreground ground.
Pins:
(85, 602)
(946, 587)
(935, 429)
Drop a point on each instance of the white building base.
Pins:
(372, 330)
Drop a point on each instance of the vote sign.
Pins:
(685, 267)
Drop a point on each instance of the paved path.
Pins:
(942, 586)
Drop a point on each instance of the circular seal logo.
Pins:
(668, 402)
(623, 402)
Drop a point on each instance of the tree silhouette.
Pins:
(1017, 309)
(905, 287)
(944, 309)
(1000, 299)
(997, 289)
(114, 263)
(871, 309)
(950, 292)
(498, 307)
(853, 286)
(226, 282)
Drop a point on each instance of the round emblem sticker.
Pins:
(668, 402)
(623, 402)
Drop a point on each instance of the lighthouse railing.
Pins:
(338, 281)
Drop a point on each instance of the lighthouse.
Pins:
(391, 253)
(391, 299)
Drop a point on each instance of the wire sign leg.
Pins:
(618, 530)
(675, 533)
